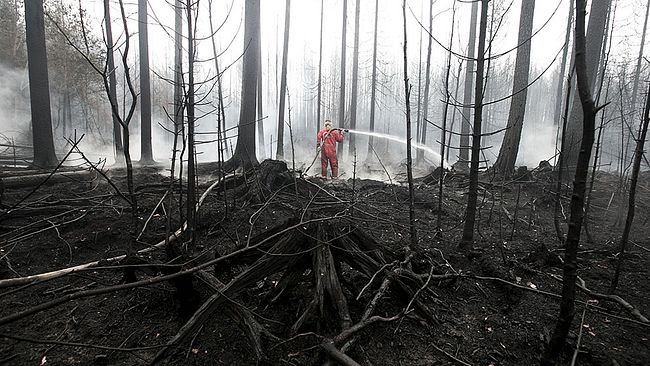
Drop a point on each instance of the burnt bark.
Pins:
(244, 154)
(283, 82)
(465, 124)
(636, 167)
(470, 213)
(505, 163)
(341, 122)
(146, 151)
(569, 275)
(112, 82)
(355, 80)
(373, 82)
(39, 87)
(593, 46)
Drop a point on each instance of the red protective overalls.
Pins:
(328, 140)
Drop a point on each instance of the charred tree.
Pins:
(320, 70)
(191, 174)
(342, 93)
(244, 154)
(283, 82)
(373, 82)
(260, 104)
(355, 79)
(146, 152)
(594, 44)
(427, 85)
(472, 197)
(39, 87)
(465, 124)
(637, 74)
(117, 129)
(505, 163)
(560, 83)
(569, 275)
(636, 167)
(409, 159)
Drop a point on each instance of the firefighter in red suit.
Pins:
(326, 140)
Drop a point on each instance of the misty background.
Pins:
(79, 102)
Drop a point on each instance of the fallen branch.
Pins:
(65, 271)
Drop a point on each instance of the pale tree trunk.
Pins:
(355, 80)
(373, 82)
(39, 88)
(505, 163)
(472, 197)
(146, 152)
(465, 123)
(342, 93)
(560, 83)
(320, 70)
(637, 73)
(279, 154)
(427, 86)
(244, 154)
(112, 82)
(569, 275)
(594, 43)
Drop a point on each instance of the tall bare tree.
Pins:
(594, 43)
(39, 88)
(467, 92)
(409, 159)
(505, 162)
(146, 151)
(472, 197)
(427, 85)
(343, 60)
(637, 74)
(117, 128)
(560, 82)
(569, 275)
(355, 79)
(320, 69)
(636, 167)
(245, 154)
(373, 82)
(283, 81)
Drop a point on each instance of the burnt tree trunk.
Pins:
(39, 87)
(112, 82)
(373, 82)
(465, 122)
(146, 152)
(427, 86)
(283, 82)
(569, 275)
(560, 83)
(409, 159)
(593, 44)
(342, 93)
(320, 70)
(355, 80)
(505, 163)
(638, 154)
(470, 213)
(244, 154)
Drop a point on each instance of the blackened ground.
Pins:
(479, 321)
